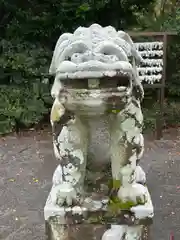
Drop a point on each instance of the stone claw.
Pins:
(64, 193)
(135, 193)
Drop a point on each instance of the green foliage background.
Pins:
(168, 21)
(29, 30)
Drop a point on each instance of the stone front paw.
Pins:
(135, 193)
(64, 193)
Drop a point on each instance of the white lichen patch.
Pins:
(77, 210)
(134, 110)
(57, 176)
(79, 154)
(132, 133)
(128, 125)
(140, 176)
(56, 152)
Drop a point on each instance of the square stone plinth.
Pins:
(56, 231)
(96, 218)
(92, 220)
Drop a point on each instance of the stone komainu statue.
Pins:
(96, 78)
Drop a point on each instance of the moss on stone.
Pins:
(95, 219)
(140, 201)
(116, 205)
(116, 184)
(115, 111)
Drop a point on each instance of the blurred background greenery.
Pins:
(29, 30)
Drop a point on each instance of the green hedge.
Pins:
(23, 106)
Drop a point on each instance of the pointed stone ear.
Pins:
(56, 88)
(134, 52)
(52, 69)
(64, 38)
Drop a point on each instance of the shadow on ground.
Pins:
(26, 168)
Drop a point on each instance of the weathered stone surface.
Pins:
(98, 208)
(96, 81)
(73, 232)
(95, 210)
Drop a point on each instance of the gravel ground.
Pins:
(26, 169)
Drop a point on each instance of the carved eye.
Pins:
(73, 48)
(111, 49)
(77, 58)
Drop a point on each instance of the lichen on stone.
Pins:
(116, 205)
(116, 183)
(95, 80)
(95, 219)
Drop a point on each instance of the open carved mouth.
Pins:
(117, 83)
(94, 69)
(95, 76)
(92, 91)
(112, 89)
(110, 93)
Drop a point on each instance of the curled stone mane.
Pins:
(95, 52)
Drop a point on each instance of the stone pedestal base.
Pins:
(55, 231)
(97, 218)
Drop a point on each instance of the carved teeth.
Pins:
(93, 83)
(92, 74)
(94, 65)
